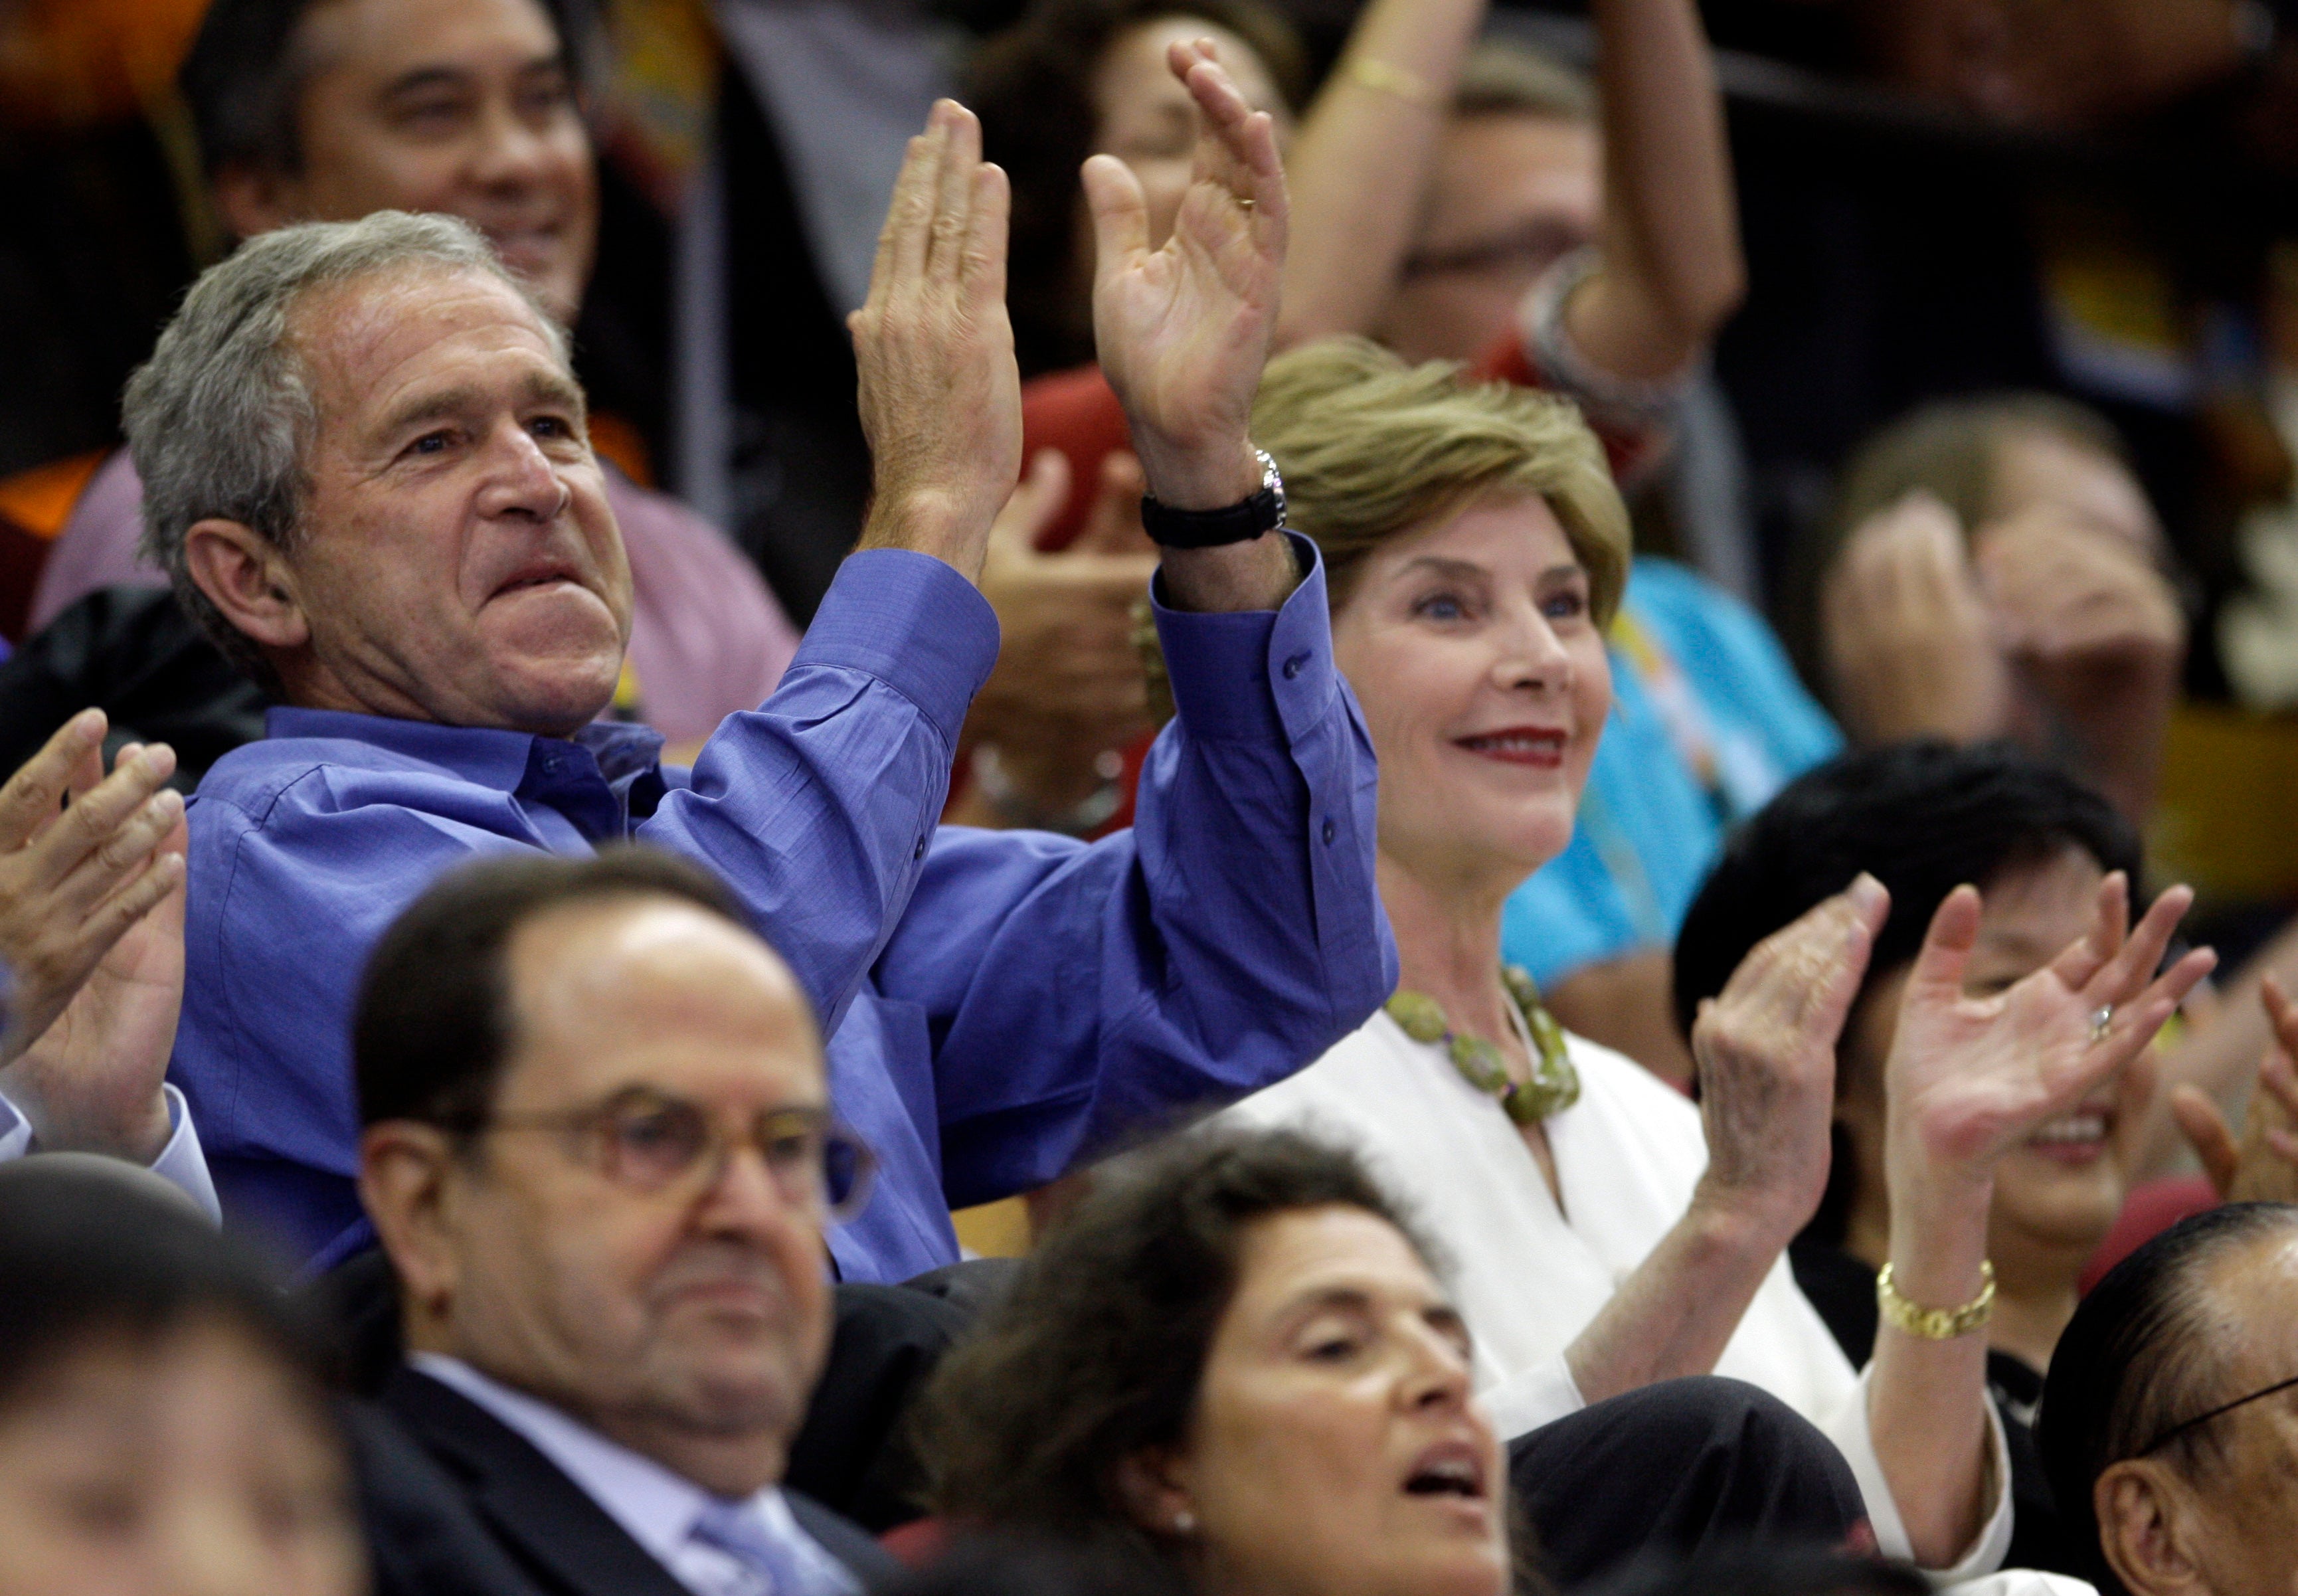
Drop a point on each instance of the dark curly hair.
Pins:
(1032, 87)
(1097, 1352)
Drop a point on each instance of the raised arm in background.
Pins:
(1359, 167)
(1672, 271)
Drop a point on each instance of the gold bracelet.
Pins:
(1381, 77)
(1935, 1324)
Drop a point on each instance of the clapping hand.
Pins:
(940, 395)
(1970, 1077)
(1765, 1048)
(1183, 330)
(92, 924)
(2262, 1166)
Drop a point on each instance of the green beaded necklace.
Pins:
(1555, 1084)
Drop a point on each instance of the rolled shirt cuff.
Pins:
(182, 1163)
(1249, 675)
(1541, 1394)
(1849, 1430)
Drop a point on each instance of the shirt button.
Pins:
(1331, 831)
(920, 851)
(1292, 667)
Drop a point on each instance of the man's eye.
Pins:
(432, 443)
(430, 115)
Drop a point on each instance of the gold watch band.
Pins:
(1935, 1324)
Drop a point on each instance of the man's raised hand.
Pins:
(1183, 330)
(940, 395)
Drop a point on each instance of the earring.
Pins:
(1185, 1522)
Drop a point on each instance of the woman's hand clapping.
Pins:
(1969, 1077)
(1766, 1049)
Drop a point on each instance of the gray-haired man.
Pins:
(366, 461)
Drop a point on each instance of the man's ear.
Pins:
(250, 200)
(1154, 1483)
(2146, 1521)
(244, 575)
(406, 1182)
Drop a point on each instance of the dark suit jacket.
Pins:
(459, 1504)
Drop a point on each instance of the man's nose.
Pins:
(521, 479)
(748, 1199)
(508, 152)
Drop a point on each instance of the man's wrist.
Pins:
(928, 522)
(1186, 477)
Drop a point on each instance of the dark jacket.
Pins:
(459, 1504)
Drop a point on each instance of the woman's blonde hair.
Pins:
(1372, 448)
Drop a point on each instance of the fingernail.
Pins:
(168, 804)
(1867, 893)
(87, 723)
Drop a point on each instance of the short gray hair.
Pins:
(221, 416)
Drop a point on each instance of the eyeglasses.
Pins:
(653, 1142)
(2176, 1430)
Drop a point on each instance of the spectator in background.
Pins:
(596, 1141)
(2169, 1423)
(326, 110)
(92, 958)
(1924, 819)
(1610, 1234)
(1997, 571)
(1234, 1365)
(164, 1428)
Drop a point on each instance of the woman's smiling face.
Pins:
(1475, 652)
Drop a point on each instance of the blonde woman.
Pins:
(1608, 1233)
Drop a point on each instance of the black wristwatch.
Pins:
(1232, 523)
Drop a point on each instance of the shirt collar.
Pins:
(655, 1507)
(625, 756)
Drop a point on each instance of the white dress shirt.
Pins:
(656, 1508)
(1529, 1276)
(181, 1162)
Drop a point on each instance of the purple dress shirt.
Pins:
(997, 1004)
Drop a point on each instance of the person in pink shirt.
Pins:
(325, 111)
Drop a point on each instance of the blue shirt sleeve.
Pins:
(819, 806)
(1078, 993)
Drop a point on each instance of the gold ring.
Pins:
(1244, 203)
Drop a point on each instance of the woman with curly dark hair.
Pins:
(1233, 1366)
